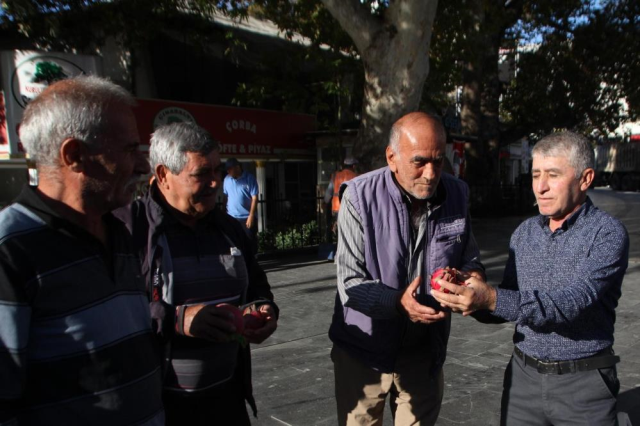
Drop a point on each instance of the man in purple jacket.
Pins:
(397, 225)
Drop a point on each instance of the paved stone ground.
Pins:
(293, 375)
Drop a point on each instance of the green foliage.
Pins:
(576, 80)
(289, 238)
(323, 79)
(83, 25)
(308, 18)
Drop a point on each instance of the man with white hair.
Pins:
(396, 226)
(76, 345)
(194, 258)
(561, 286)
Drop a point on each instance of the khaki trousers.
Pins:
(415, 392)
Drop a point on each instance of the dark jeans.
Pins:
(582, 398)
(252, 232)
(225, 406)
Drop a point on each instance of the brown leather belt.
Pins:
(602, 359)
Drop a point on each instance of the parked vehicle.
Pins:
(618, 165)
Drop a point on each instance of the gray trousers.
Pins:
(582, 398)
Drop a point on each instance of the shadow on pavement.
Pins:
(288, 261)
(629, 402)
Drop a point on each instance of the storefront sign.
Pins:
(242, 132)
(4, 139)
(26, 73)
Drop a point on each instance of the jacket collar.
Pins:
(159, 211)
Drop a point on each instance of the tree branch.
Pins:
(356, 19)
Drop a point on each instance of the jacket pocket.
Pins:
(448, 242)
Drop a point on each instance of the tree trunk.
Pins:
(482, 88)
(490, 107)
(471, 114)
(394, 48)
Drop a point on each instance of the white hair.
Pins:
(575, 147)
(72, 108)
(170, 144)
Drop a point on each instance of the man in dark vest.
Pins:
(195, 257)
(396, 226)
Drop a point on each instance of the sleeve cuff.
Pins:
(389, 302)
(507, 304)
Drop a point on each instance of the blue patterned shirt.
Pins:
(561, 288)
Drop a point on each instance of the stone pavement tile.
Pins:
(475, 352)
(479, 408)
(471, 396)
(629, 374)
(294, 383)
(470, 379)
(627, 335)
(631, 353)
(495, 333)
(500, 355)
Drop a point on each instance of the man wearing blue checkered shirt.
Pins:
(561, 286)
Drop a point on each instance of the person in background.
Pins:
(194, 258)
(561, 285)
(241, 195)
(332, 195)
(396, 226)
(76, 344)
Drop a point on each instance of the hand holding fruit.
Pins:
(226, 322)
(214, 323)
(417, 312)
(473, 295)
(259, 323)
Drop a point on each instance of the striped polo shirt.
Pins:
(76, 345)
(207, 268)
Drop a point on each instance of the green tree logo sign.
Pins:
(48, 72)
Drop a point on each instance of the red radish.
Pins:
(237, 321)
(254, 320)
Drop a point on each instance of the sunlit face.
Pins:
(116, 165)
(193, 191)
(418, 163)
(558, 191)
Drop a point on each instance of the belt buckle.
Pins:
(556, 367)
(545, 367)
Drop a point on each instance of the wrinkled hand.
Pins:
(414, 310)
(465, 275)
(473, 296)
(259, 335)
(208, 322)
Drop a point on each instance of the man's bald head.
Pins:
(416, 122)
(416, 153)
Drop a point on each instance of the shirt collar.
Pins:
(30, 199)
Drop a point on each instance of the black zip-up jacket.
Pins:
(147, 220)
